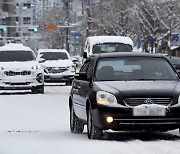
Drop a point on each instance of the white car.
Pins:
(19, 69)
(58, 67)
(104, 44)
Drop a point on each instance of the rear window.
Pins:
(10, 56)
(111, 47)
(54, 55)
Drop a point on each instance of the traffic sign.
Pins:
(52, 27)
(42, 26)
(76, 34)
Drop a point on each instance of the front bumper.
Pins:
(124, 119)
(58, 77)
(21, 82)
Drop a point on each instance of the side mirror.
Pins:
(74, 61)
(41, 60)
(81, 76)
(85, 55)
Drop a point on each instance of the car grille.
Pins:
(17, 73)
(139, 101)
(18, 84)
(55, 70)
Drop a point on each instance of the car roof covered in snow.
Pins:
(51, 50)
(15, 47)
(104, 39)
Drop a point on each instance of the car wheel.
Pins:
(34, 90)
(75, 123)
(40, 89)
(92, 131)
(68, 83)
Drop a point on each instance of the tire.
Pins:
(38, 90)
(76, 125)
(68, 83)
(92, 131)
(34, 90)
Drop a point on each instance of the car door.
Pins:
(79, 91)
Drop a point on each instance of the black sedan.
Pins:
(175, 61)
(125, 91)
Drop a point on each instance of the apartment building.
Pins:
(7, 18)
(29, 13)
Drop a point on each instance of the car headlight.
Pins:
(72, 68)
(36, 67)
(1, 68)
(105, 98)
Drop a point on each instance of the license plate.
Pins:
(18, 79)
(149, 110)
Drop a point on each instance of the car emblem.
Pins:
(148, 101)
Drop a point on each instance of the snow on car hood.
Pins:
(134, 88)
(57, 63)
(18, 65)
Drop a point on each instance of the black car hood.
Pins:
(135, 88)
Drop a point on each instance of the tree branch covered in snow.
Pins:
(54, 38)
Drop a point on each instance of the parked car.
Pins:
(58, 66)
(125, 91)
(104, 44)
(19, 69)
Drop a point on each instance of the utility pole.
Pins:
(67, 20)
(89, 18)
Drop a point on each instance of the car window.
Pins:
(111, 47)
(134, 68)
(85, 66)
(10, 56)
(54, 55)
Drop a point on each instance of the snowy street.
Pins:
(39, 124)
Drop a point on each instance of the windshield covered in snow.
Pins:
(10, 56)
(134, 68)
(54, 55)
(111, 47)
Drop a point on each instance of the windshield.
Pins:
(134, 68)
(54, 55)
(10, 56)
(111, 47)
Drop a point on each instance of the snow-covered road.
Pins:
(39, 124)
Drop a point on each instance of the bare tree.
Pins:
(54, 38)
(157, 19)
(115, 17)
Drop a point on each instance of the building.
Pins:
(28, 15)
(7, 19)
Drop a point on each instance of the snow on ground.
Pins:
(39, 124)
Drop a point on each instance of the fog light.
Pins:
(109, 119)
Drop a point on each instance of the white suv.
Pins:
(19, 69)
(58, 67)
